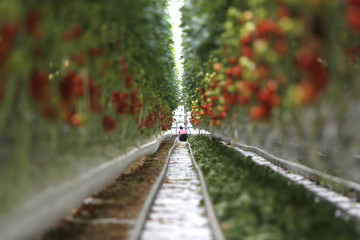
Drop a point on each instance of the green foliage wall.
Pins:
(80, 82)
(282, 75)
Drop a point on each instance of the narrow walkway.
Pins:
(176, 213)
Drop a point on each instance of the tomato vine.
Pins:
(275, 71)
(78, 74)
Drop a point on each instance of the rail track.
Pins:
(172, 209)
(343, 194)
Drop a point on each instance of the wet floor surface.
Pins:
(177, 212)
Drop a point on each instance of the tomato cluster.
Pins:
(9, 32)
(73, 87)
(353, 15)
(251, 69)
(160, 114)
(78, 69)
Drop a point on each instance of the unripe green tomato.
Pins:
(220, 108)
(231, 88)
(233, 12)
(229, 26)
(287, 24)
(217, 92)
(221, 83)
(222, 100)
(261, 47)
(246, 74)
(271, 56)
(292, 97)
(243, 61)
(249, 27)
(250, 74)
(251, 65)
(221, 77)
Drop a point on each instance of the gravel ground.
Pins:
(111, 213)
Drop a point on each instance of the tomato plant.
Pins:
(76, 76)
(253, 202)
(282, 75)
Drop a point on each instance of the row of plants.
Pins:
(78, 80)
(282, 75)
(253, 202)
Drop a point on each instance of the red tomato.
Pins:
(108, 124)
(353, 17)
(259, 112)
(233, 61)
(237, 71)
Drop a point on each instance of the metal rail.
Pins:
(337, 184)
(348, 208)
(141, 220)
(329, 188)
(214, 222)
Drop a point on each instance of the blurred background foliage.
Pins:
(281, 75)
(80, 82)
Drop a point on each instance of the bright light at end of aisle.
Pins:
(175, 15)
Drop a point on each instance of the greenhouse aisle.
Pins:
(93, 95)
(176, 213)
